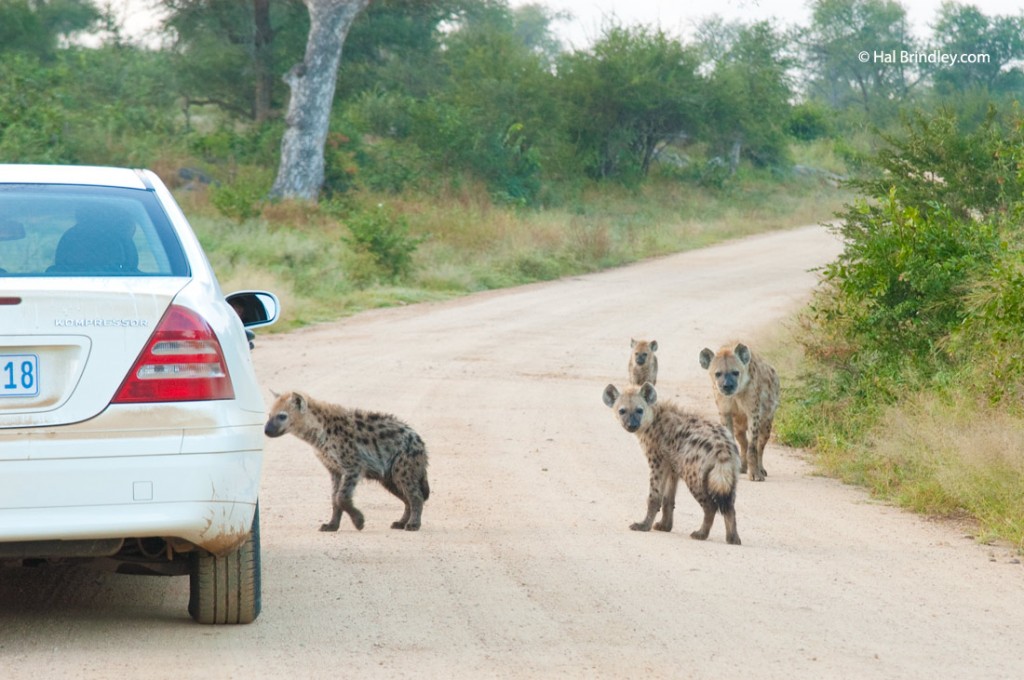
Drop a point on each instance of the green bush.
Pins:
(898, 286)
(924, 308)
(242, 198)
(385, 237)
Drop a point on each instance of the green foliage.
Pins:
(809, 121)
(383, 236)
(897, 288)
(962, 29)
(839, 33)
(84, 106)
(937, 163)
(229, 56)
(242, 197)
(35, 28)
(496, 107)
(634, 90)
(748, 97)
(989, 340)
(925, 306)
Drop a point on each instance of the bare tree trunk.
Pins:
(263, 36)
(312, 83)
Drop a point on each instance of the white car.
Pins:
(131, 422)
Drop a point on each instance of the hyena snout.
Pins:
(632, 420)
(727, 384)
(640, 358)
(277, 425)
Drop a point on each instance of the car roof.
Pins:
(73, 174)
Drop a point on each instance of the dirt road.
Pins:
(525, 566)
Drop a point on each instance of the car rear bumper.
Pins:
(207, 499)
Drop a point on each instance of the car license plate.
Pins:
(19, 375)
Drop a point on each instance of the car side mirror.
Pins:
(255, 307)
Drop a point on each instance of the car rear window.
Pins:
(70, 230)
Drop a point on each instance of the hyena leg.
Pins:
(710, 509)
(336, 509)
(413, 512)
(390, 485)
(755, 468)
(738, 428)
(405, 483)
(765, 432)
(653, 503)
(343, 501)
(668, 505)
(731, 535)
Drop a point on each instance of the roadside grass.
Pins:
(465, 242)
(939, 453)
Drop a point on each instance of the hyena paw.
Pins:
(640, 526)
(699, 535)
(329, 526)
(412, 526)
(358, 522)
(398, 525)
(663, 526)
(755, 476)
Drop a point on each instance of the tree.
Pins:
(633, 91)
(748, 93)
(394, 45)
(226, 52)
(495, 106)
(963, 30)
(312, 82)
(37, 26)
(854, 50)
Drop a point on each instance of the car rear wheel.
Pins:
(227, 589)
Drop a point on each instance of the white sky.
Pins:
(678, 16)
(675, 16)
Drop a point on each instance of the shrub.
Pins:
(385, 237)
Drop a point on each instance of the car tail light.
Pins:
(182, 361)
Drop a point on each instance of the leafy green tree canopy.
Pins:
(38, 26)
(634, 90)
(853, 49)
(998, 40)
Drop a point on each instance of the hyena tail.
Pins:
(424, 487)
(721, 477)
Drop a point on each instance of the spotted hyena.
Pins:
(353, 444)
(680, 445)
(747, 395)
(643, 364)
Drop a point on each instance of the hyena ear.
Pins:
(274, 394)
(654, 345)
(611, 393)
(706, 355)
(648, 393)
(743, 353)
(632, 342)
(299, 401)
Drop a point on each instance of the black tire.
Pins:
(227, 589)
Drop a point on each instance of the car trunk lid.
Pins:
(64, 354)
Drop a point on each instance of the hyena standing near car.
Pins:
(353, 444)
(643, 364)
(680, 445)
(747, 394)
